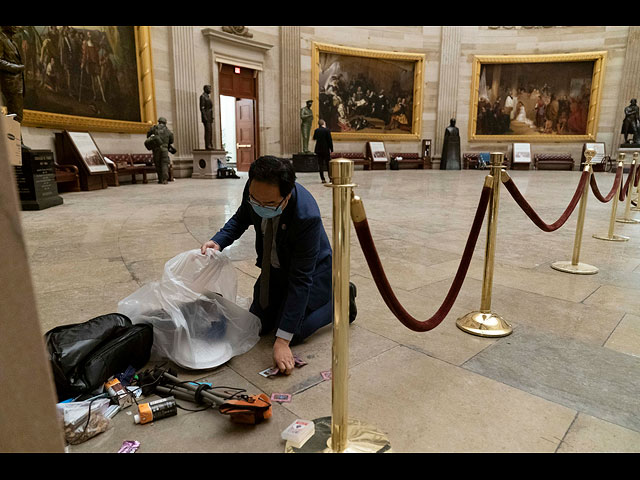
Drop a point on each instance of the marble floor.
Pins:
(566, 380)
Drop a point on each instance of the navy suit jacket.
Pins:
(303, 250)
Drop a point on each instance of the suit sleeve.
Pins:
(236, 225)
(303, 264)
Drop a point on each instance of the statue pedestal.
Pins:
(36, 179)
(305, 162)
(205, 163)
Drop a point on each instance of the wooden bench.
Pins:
(123, 165)
(358, 158)
(146, 160)
(471, 161)
(411, 160)
(553, 161)
(67, 178)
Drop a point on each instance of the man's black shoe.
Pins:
(353, 310)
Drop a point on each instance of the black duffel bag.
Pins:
(85, 355)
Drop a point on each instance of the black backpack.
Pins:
(85, 355)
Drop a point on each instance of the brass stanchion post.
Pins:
(627, 208)
(485, 323)
(574, 266)
(610, 236)
(341, 435)
(637, 192)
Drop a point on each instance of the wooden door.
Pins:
(245, 134)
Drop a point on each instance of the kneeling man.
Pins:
(293, 292)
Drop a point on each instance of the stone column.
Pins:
(447, 85)
(290, 97)
(186, 93)
(629, 85)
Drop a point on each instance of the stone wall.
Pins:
(183, 62)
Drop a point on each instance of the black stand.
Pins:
(36, 179)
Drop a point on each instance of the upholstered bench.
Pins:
(67, 178)
(358, 158)
(471, 160)
(123, 165)
(146, 160)
(553, 161)
(410, 160)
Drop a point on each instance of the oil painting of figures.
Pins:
(87, 71)
(534, 98)
(366, 95)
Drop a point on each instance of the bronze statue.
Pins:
(11, 72)
(306, 117)
(159, 140)
(206, 111)
(450, 159)
(631, 123)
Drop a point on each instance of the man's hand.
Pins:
(282, 356)
(209, 244)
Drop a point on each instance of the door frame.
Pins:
(233, 92)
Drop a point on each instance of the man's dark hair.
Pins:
(272, 170)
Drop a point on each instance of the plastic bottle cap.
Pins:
(136, 418)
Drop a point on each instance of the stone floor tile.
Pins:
(588, 434)
(567, 372)
(425, 405)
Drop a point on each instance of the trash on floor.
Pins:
(197, 323)
(84, 420)
(299, 432)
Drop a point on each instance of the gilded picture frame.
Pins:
(549, 97)
(145, 99)
(394, 78)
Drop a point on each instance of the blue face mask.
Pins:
(266, 212)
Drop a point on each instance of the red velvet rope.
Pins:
(625, 188)
(635, 180)
(520, 200)
(614, 188)
(373, 260)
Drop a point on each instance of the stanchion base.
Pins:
(580, 268)
(627, 220)
(361, 438)
(484, 324)
(613, 238)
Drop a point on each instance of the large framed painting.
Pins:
(367, 94)
(535, 98)
(96, 78)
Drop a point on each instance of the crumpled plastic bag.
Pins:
(192, 309)
(83, 420)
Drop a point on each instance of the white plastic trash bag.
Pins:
(196, 321)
